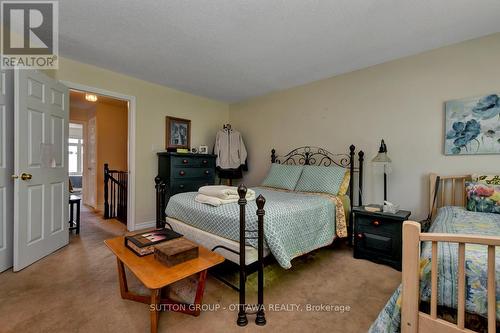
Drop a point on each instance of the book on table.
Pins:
(143, 243)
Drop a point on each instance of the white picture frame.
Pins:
(203, 149)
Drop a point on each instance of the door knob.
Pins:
(26, 176)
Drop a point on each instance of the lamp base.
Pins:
(385, 186)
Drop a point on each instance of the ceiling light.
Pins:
(91, 97)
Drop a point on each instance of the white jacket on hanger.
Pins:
(230, 149)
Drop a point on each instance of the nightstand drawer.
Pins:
(376, 225)
(375, 243)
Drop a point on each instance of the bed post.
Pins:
(361, 157)
(160, 202)
(411, 276)
(260, 319)
(242, 202)
(352, 148)
(273, 155)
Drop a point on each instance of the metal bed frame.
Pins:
(307, 155)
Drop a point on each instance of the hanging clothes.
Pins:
(230, 149)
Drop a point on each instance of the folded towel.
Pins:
(213, 201)
(223, 192)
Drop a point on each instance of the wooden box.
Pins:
(176, 251)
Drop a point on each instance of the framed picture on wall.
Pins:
(177, 133)
(472, 125)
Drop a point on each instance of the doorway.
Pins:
(98, 153)
(36, 170)
(131, 141)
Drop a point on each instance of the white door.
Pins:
(6, 168)
(91, 157)
(41, 116)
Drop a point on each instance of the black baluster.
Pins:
(106, 183)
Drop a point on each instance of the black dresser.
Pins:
(378, 236)
(185, 172)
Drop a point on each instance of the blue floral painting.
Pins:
(473, 126)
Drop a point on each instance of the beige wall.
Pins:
(400, 101)
(112, 133)
(153, 103)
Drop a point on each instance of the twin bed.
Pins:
(295, 222)
(449, 282)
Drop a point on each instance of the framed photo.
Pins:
(177, 133)
(472, 125)
(203, 150)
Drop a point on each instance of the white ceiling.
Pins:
(231, 50)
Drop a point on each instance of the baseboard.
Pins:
(144, 225)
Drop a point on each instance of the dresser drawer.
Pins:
(181, 172)
(179, 186)
(187, 162)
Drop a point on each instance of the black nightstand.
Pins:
(378, 236)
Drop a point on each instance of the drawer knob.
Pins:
(184, 161)
(207, 172)
(204, 161)
(182, 172)
(181, 186)
(376, 223)
(360, 236)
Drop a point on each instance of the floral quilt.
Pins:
(451, 220)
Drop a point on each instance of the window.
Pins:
(75, 149)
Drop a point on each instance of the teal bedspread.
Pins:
(294, 223)
(454, 220)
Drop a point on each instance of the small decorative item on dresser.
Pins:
(177, 133)
(378, 236)
(203, 149)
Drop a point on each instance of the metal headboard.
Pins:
(311, 155)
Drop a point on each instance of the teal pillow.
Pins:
(283, 176)
(321, 179)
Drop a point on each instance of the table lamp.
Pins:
(383, 159)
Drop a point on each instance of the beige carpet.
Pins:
(76, 290)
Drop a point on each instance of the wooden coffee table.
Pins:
(155, 276)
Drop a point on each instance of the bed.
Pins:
(295, 222)
(457, 292)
